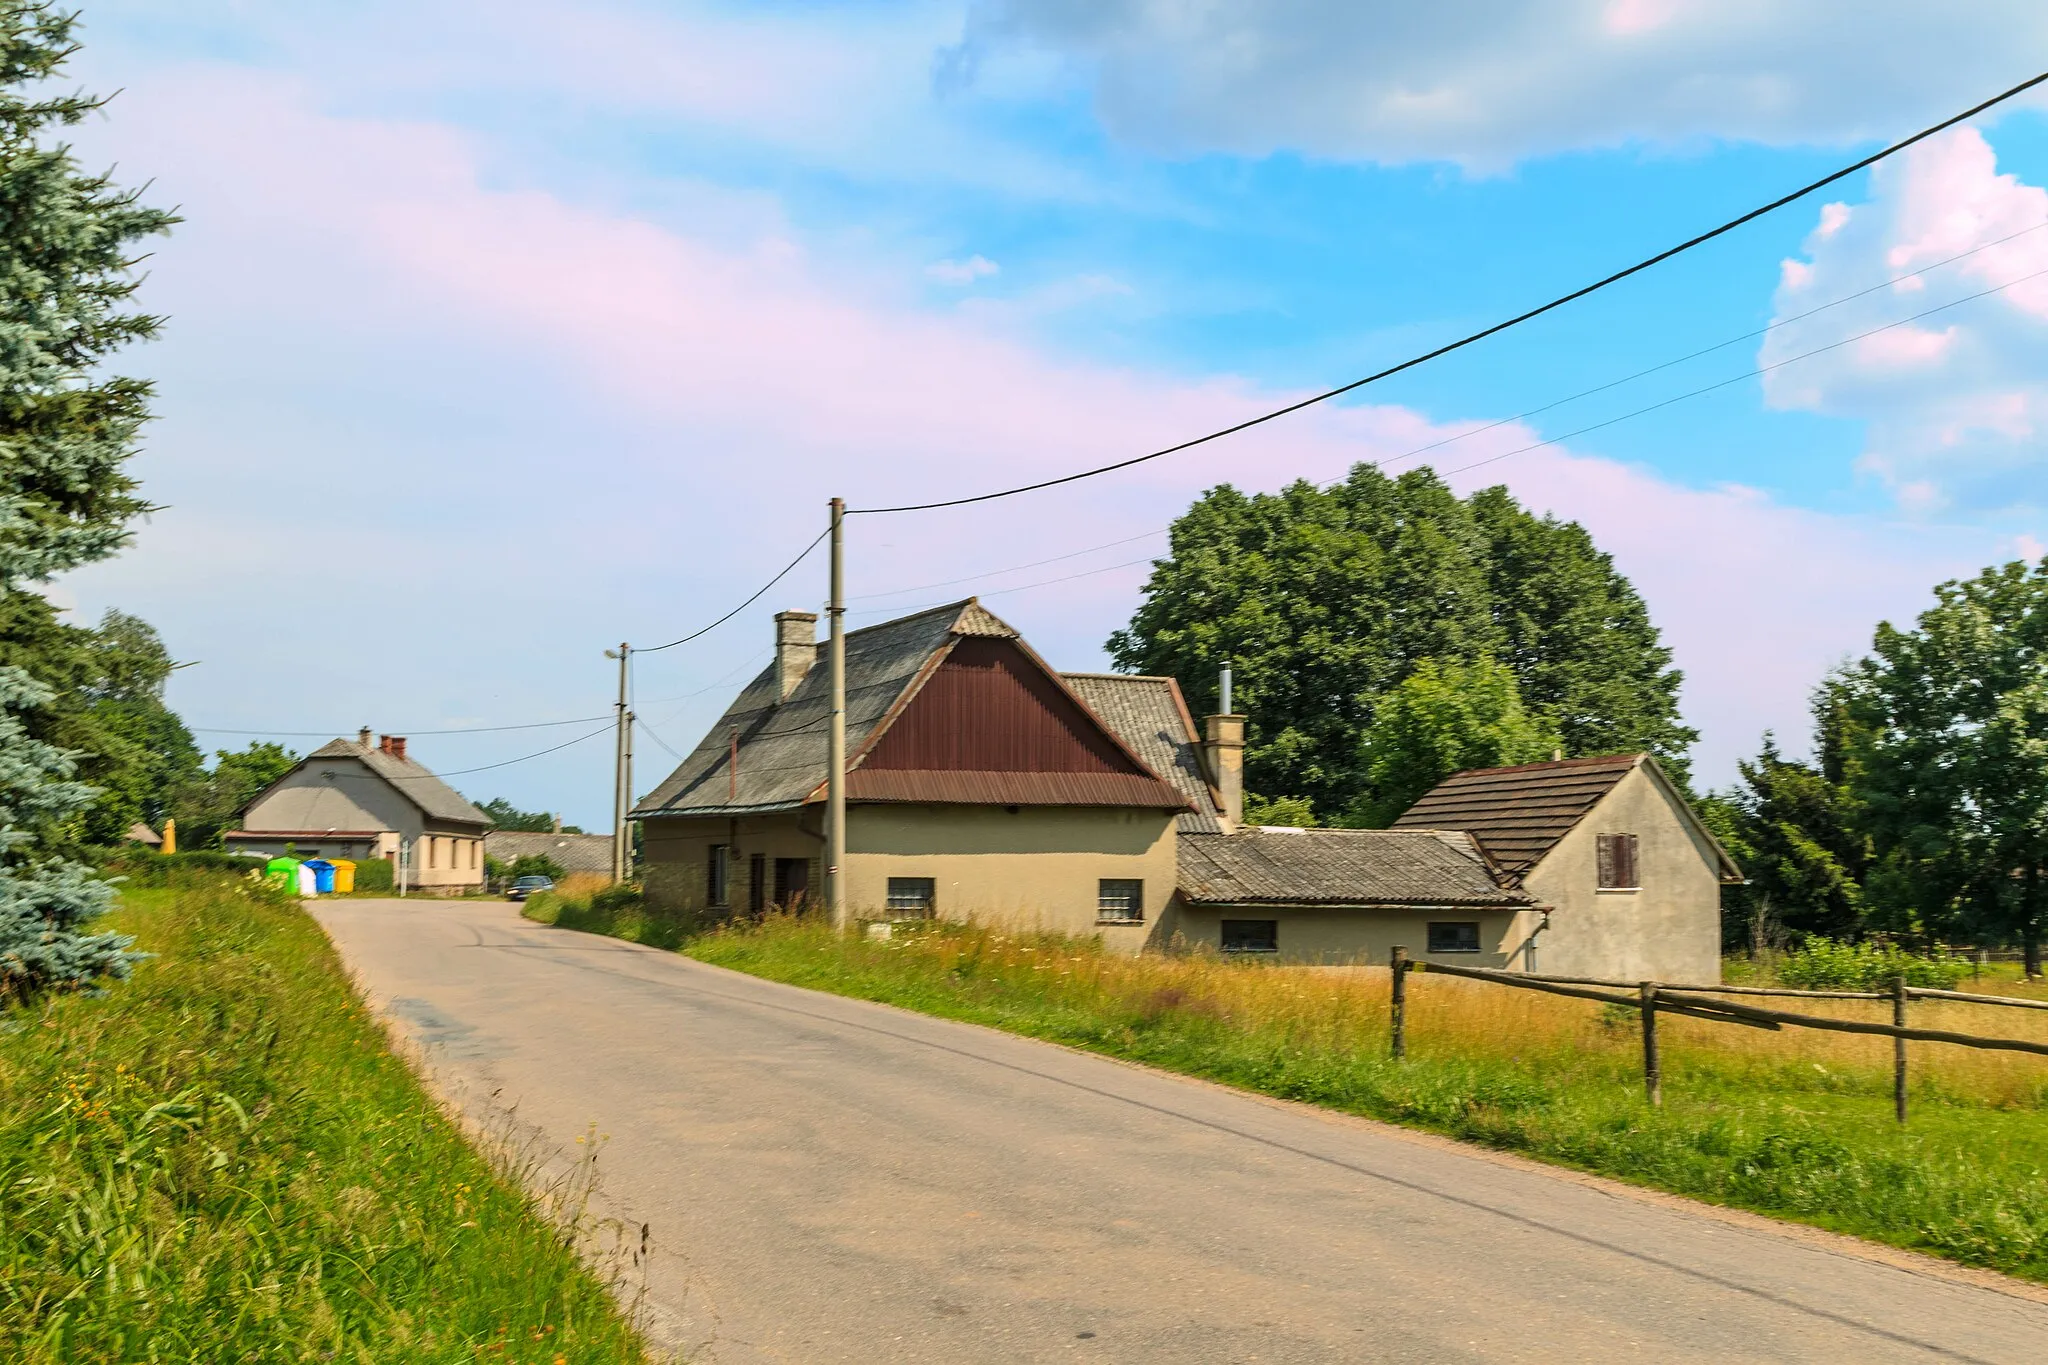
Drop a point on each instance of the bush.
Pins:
(146, 867)
(1822, 964)
(374, 874)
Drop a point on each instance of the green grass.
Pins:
(221, 1160)
(1794, 1124)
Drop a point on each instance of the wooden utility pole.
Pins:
(835, 735)
(1398, 1008)
(622, 770)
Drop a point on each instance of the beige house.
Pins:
(979, 786)
(1627, 878)
(351, 799)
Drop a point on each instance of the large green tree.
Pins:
(1323, 600)
(1946, 747)
(210, 802)
(1444, 717)
(1795, 830)
(68, 249)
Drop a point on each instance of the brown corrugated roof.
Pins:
(1149, 715)
(1367, 868)
(781, 743)
(1519, 813)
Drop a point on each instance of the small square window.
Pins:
(1251, 936)
(1120, 901)
(1454, 937)
(912, 897)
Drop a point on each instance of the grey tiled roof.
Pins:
(435, 798)
(1375, 868)
(1519, 813)
(1150, 717)
(575, 852)
(782, 746)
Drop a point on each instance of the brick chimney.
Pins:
(393, 745)
(1223, 754)
(383, 744)
(796, 648)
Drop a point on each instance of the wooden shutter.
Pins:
(1604, 844)
(1626, 846)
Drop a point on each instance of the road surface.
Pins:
(828, 1180)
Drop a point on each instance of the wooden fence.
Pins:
(1653, 998)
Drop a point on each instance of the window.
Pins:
(1617, 857)
(1454, 938)
(433, 850)
(718, 878)
(1120, 900)
(912, 897)
(1251, 936)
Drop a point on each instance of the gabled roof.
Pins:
(1151, 717)
(435, 798)
(574, 852)
(1367, 868)
(780, 745)
(1520, 813)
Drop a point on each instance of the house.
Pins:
(571, 852)
(352, 799)
(1629, 877)
(979, 786)
(140, 833)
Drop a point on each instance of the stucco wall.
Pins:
(1033, 867)
(676, 854)
(1669, 930)
(1362, 937)
(1027, 867)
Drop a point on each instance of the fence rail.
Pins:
(1652, 998)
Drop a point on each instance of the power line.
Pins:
(652, 649)
(1484, 333)
(468, 730)
(602, 729)
(1554, 404)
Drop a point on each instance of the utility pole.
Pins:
(835, 736)
(622, 767)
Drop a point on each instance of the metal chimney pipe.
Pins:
(1225, 707)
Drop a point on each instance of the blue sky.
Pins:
(501, 332)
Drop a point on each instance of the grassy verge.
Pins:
(222, 1160)
(1795, 1124)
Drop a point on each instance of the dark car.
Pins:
(523, 887)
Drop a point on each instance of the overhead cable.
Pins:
(466, 730)
(1484, 333)
(696, 634)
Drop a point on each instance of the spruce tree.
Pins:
(68, 253)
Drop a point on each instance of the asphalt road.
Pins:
(828, 1180)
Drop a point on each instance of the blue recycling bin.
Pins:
(323, 875)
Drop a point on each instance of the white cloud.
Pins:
(1955, 404)
(962, 272)
(1487, 82)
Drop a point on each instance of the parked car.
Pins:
(525, 886)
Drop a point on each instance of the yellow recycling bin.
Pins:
(344, 874)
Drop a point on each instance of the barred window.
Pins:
(912, 897)
(1120, 900)
(1251, 936)
(718, 878)
(1454, 938)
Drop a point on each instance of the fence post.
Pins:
(1653, 1067)
(1899, 1048)
(1399, 1009)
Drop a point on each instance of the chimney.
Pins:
(558, 824)
(397, 749)
(1223, 753)
(796, 648)
(363, 736)
(383, 744)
